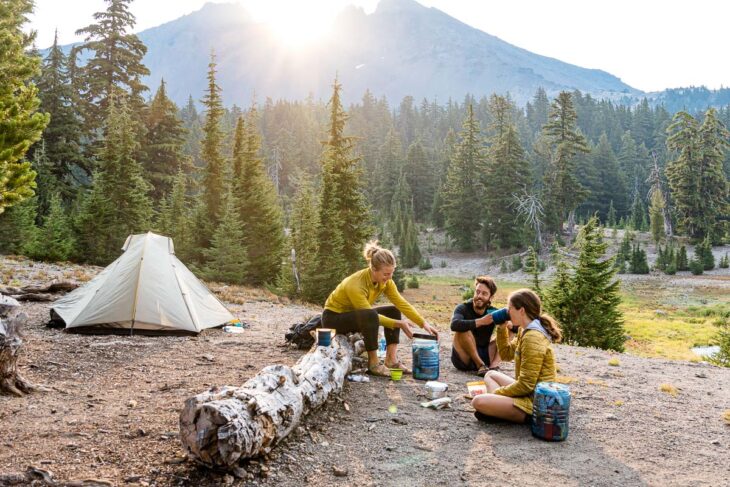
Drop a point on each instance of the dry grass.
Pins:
(564, 379)
(614, 362)
(596, 382)
(618, 404)
(726, 416)
(669, 389)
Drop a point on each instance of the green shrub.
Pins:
(516, 263)
(468, 293)
(412, 283)
(696, 267)
(503, 269)
(425, 264)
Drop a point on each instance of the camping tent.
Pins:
(148, 290)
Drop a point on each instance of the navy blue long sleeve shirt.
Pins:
(464, 318)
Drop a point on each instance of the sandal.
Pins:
(379, 370)
(482, 371)
(399, 365)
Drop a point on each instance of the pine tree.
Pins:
(226, 258)
(163, 146)
(703, 254)
(638, 263)
(563, 190)
(682, 260)
(174, 216)
(389, 166)
(62, 136)
(304, 224)
(17, 226)
(724, 262)
(116, 63)
(696, 178)
(344, 220)
(586, 302)
(258, 206)
(54, 240)
(656, 216)
(463, 184)
(208, 214)
(507, 167)
(21, 124)
(532, 267)
(404, 227)
(118, 204)
(611, 217)
(421, 178)
(601, 175)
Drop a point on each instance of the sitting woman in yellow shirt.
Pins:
(509, 398)
(349, 308)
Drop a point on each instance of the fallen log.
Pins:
(227, 424)
(39, 292)
(11, 382)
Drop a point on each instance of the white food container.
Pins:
(436, 389)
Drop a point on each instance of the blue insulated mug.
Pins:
(324, 337)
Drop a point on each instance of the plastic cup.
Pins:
(324, 337)
(396, 374)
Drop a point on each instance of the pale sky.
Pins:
(650, 44)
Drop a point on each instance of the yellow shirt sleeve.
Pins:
(506, 348)
(391, 292)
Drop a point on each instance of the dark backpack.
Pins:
(299, 333)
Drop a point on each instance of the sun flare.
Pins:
(295, 23)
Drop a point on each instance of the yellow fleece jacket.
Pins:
(358, 291)
(534, 362)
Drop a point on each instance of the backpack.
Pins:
(299, 333)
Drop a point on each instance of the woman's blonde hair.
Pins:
(377, 256)
(530, 302)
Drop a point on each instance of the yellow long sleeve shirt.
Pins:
(358, 291)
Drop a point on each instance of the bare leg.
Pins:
(495, 380)
(391, 353)
(373, 358)
(498, 407)
(494, 358)
(466, 347)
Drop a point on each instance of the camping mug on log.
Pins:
(324, 337)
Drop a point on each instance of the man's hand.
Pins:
(430, 329)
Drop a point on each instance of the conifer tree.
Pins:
(17, 226)
(209, 209)
(605, 184)
(389, 167)
(21, 124)
(638, 212)
(656, 216)
(258, 205)
(420, 174)
(446, 152)
(696, 178)
(507, 167)
(344, 220)
(163, 146)
(62, 136)
(116, 63)
(563, 190)
(53, 241)
(464, 185)
(611, 217)
(174, 217)
(118, 204)
(682, 260)
(724, 262)
(226, 258)
(638, 263)
(532, 267)
(404, 227)
(304, 224)
(586, 302)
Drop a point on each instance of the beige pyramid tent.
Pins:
(147, 290)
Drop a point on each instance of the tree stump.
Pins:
(11, 382)
(227, 424)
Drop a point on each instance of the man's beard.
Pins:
(479, 303)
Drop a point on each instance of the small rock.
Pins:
(701, 375)
(339, 472)
(228, 479)
(132, 404)
(209, 357)
(46, 462)
(715, 442)
(611, 417)
(660, 312)
(132, 478)
(325, 443)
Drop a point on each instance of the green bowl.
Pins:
(396, 374)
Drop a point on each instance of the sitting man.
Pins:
(473, 324)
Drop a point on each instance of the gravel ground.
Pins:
(112, 415)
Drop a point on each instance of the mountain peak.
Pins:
(390, 6)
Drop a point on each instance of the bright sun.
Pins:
(295, 22)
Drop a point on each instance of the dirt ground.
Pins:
(112, 416)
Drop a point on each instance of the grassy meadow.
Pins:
(663, 321)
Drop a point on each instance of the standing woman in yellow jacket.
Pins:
(509, 398)
(349, 308)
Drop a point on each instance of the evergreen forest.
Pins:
(284, 193)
